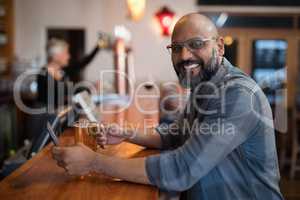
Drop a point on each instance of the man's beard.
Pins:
(207, 71)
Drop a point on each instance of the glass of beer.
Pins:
(85, 132)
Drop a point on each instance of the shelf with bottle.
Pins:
(2, 25)
(3, 65)
(6, 35)
(2, 11)
(2, 18)
(3, 38)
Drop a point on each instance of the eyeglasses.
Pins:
(191, 44)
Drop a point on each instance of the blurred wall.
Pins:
(151, 57)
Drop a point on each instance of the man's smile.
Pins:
(192, 68)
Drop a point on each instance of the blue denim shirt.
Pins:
(223, 147)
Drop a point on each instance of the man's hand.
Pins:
(79, 160)
(114, 134)
(111, 135)
(76, 160)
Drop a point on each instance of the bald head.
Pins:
(194, 25)
(197, 49)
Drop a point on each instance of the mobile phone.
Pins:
(52, 134)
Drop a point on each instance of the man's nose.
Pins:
(185, 54)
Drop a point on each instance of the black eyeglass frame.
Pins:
(187, 44)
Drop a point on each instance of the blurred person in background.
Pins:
(54, 78)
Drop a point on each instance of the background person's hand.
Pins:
(105, 41)
(76, 160)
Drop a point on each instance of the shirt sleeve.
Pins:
(216, 137)
(76, 67)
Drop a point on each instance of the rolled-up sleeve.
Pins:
(218, 135)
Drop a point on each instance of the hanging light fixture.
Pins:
(165, 18)
(136, 9)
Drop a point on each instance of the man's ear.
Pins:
(220, 44)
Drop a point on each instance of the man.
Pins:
(224, 145)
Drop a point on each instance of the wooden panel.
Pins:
(292, 70)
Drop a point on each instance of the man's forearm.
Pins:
(149, 138)
(132, 170)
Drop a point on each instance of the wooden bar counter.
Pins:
(40, 177)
